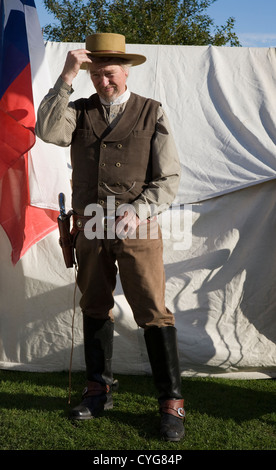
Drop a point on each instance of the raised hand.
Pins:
(73, 62)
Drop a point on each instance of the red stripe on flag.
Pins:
(17, 100)
(17, 121)
(24, 225)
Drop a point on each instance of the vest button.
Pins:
(119, 146)
(118, 164)
(103, 146)
(102, 164)
(117, 203)
(101, 201)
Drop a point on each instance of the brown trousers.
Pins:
(141, 270)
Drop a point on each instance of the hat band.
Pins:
(109, 52)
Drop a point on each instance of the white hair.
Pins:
(112, 61)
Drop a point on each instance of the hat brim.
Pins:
(133, 59)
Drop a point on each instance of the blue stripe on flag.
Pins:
(29, 3)
(14, 56)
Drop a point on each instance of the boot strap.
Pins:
(95, 388)
(173, 407)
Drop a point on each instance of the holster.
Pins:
(66, 239)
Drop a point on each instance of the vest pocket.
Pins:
(142, 134)
(119, 192)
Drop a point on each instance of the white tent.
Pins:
(219, 236)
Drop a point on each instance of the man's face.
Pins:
(108, 80)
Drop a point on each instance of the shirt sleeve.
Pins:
(166, 170)
(56, 116)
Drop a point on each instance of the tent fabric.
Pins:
(219, 242)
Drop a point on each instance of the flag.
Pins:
(30, 176)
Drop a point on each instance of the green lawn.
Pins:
(222, 414)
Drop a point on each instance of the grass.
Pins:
(222, 414)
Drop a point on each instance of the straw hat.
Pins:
(111, 45)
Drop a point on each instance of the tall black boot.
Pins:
(98, 349)
(163, 356)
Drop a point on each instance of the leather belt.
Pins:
(79, 222)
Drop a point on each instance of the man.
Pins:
(121, 150)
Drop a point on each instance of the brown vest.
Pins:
(111, 162)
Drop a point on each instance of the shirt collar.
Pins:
(120, 100)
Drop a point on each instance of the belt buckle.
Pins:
(181, 412)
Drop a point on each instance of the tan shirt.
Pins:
(56, 122)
